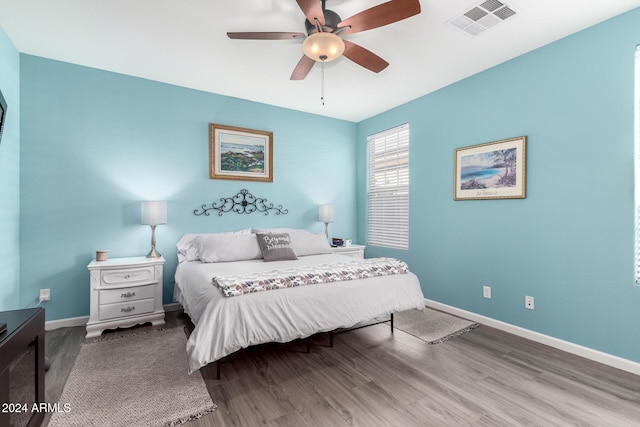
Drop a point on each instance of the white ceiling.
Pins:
(185, 43)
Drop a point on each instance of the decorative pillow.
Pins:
(303, 241)
(310, 243)
(187, 250)
(276, 246)
(228, 247)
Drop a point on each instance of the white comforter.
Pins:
(225, 325)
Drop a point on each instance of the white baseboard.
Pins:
(82, 320)
(70, 322)
(578, 350)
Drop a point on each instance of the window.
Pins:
(637, 160)
(388, 197)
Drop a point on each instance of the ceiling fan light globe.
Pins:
(319, 45)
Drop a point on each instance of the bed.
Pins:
(226, 324)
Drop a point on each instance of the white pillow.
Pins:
(303, 241)
(187, 250)
(228, 247)
(280, 230)
(310, 243)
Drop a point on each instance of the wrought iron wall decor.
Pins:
(242, 203)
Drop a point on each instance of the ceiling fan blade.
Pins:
(302, 69)
(380, 15)
(312, 10)
(266, 36)
(364, 57)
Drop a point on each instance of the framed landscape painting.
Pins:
(496, 170)
(240, 154)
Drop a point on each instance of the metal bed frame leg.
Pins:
(308, 345)
(331, 339)
(391, 322)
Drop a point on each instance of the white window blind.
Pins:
(637, 159)
(388, 198)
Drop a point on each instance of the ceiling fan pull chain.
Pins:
(322, 82)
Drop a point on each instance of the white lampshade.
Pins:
(326, 213)
(153, 212)
(323, 46)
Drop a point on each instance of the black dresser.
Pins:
(22, 367)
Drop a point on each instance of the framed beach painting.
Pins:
(495, 170)
(240, 154)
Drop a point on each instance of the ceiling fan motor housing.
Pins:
(331, 21)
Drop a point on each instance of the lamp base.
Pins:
(153, 253)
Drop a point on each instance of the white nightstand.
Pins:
(125, 292)
(355, 251)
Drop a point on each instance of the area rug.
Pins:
(431, 326)
(135, 380)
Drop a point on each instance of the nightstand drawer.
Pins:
(353, 254)
(126, 294)
(354, 251)
(128, 276)
(122, 309)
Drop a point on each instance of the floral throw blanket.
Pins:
(234, 285)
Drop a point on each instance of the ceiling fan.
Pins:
(322, 42)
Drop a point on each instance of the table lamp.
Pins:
(326, 214)
(153, 213)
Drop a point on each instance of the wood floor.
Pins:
(371, 377)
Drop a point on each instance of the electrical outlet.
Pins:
(45, 295)
(486, 292)
(528, 302)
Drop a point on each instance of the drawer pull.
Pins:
(127, 310)
(126, 276)
(128, 295)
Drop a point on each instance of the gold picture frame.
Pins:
(495, 170)
(240, 154)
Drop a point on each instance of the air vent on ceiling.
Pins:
(482, 17)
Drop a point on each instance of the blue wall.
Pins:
(10, 177)
(570, 243)
(92, 144)
(95, 143)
